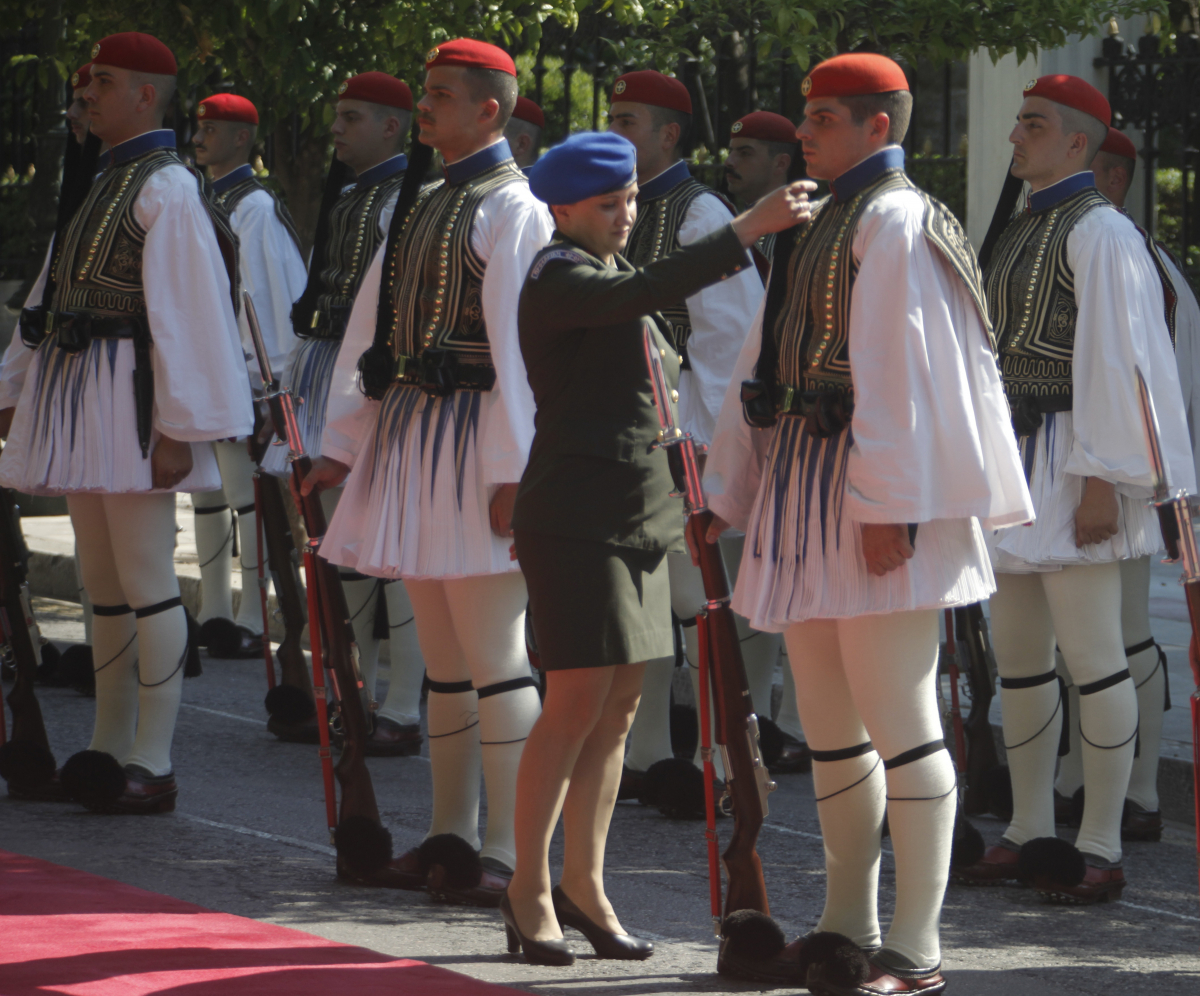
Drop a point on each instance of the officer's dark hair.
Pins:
(493, 84)
(780, 149)
(896, 104)
(660, 117)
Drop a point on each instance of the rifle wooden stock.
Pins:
(736, 730)
(981, 746)
(27, 722)
(340, 655)
(282, 558)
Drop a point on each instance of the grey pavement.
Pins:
(248, 839)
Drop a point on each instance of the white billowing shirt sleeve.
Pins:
(18, 356)
(200, 387)
(273, 273)
(721, 315)
(349, 414)
(510, 228)
(1187, 354)
(1121, 325)
(932, 437)
(738, 452)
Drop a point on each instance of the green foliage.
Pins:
(1169, 223)
(944, 177)
(16, 230)
(553, 88)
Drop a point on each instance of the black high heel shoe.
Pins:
(626, 947)
(536, 952)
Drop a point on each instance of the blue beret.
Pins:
(585, 165)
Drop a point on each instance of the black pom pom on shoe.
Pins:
(220, 636)
(26, 766)
(685, 730)
(363, 845)
(835, 960)
(1052, 860)
(997, 787)
(677, 788)
(289, 704)
(459, 861)
(93, 778)
(752, 936)
(49, 672)
(77, 670)
(192, 667)
(967, 846)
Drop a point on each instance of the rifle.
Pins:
(747, 780)
(26, 762)
(364, 846)
(1174, 507)
(975, 649)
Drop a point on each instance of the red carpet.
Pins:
(64, 931)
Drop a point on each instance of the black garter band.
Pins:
(449, 687)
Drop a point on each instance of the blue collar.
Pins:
(243, 172)
(477, 162)
(1056, 193)
(147, 141)
(381, 171)
(858, 177)
(664, 183)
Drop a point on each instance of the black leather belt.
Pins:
(1028, 409)
(826, 413)
(439, 372)
(327, 323)
(76, 330)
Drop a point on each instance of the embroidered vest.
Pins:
(354, 238)
(812, 331)
(656, 234)
(231, 198)
(1031, 297)
(434, 278)
(98, 267)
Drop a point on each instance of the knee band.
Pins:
(247, 509)
(1064, 739)
(449, 687)
(845, 754)
(1138, 648)
(500, 687)
(111, 610)
(211, 509)
(1098, 686)
(908, 756)
(157, 607)
(154, 610)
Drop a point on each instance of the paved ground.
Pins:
(248, 839)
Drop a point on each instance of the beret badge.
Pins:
(74, 81)
(432, 54)
(95, 50)
(620, 87)
(342, 88)
(806, 86)
(737, 126)
(1030, 85)
(201, 111)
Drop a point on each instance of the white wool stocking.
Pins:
(214, 551)
(126, 548)
(406, 665)
(1149, 680)
(237, 484)
(455, 764)
(649, 737)
(114, 656)
(870, 680)
(505, 720)
(84, 601)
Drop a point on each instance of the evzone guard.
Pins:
(437, 449)
(272, 272)
(885, 452)
(1141, 818)
(1077, 297)
(134, 368)
(524, 133)
(654, 112)
(374, 113)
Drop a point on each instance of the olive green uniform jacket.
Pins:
(593, 471)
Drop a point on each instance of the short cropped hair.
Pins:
(660, 117)
(164, 88)
(896, 104)
(1094, 130)
(781, 149)
(493, 84)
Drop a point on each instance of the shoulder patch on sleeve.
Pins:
(566, 254)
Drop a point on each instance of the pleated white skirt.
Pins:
(1048, 544)
(415, 504)
(803, 555)
(75, 427)
(309, 379)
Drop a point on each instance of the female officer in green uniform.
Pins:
(593, 518)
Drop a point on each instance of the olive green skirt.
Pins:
(595, 605)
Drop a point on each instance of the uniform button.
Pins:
(674, 395)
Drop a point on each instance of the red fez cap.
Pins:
(82, 76)
(377, 88)
(1118, 144)
(136, 51)
(765, 126)
(227, 107)
(854, 74)
(527, 110)
(1071, 91)
(472, 54)
(646, 86)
